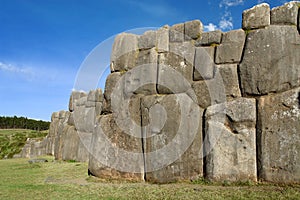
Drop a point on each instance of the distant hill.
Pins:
(23, 123)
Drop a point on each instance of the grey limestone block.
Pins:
(163, 39)
(204, 63)
(285, 14)
(108, 158)
(176, 33)
(230, 141)
(172, 132)
(73, 97)
(209, 38)
(193, 29)
(124, 52)
(110, 84)
(175, 68)
(271, 61)
(143, 78)
(148, 40)
(256, 17)
(231, 48)
(224, 87)
(279, 137)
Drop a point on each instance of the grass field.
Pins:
(69, 180)
(12, 140)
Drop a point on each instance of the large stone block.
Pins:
(257, 17)
(209, 38)
(176, 33)
(143, 78)
(175, 68)
(279, 137)
(230, 145)
(115, 154)
(231, 48)
(271, 60)
(172, 132)
(286, 14)
(73, 98)
(70, 144)
(230, 79)
(204, 63)
(193, 29)
(95, 95)
(124, 52)
(163, 39)
(84, 146)
(148, 40)
(110, 84)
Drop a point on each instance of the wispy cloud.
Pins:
(210, 27)
(159, 10)
(23, 71)
(229, 3)
(226, 22)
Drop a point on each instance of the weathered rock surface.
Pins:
(124, 52)
(230, 146)
(271, 60)
(256, 17)
(147, 40)
(231, 48)
(286, 14)
(176, 33)
(204, 63)
(172, 127)
(108, 159)
(279, 137)
(175, 68)
(110, 84)
(193, 30)
(163, 39)
(209, 38)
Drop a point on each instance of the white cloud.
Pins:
(226, 22)
(210, 27)
(28, 72)
(230, 3)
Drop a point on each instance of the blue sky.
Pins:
(44, 42)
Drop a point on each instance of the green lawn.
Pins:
(69, 180)
(12, 140)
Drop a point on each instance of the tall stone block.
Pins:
(271, 60)
(172, 135)
(231, 48)
(143, 78)
(176, 33)
(175, 68)
(256, 17)
(124, 52)
(230, 145)
(204, 63)
(163, 39)
(110, 84)
(112, 152)
(279, 137)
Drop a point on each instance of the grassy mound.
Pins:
(13, 140)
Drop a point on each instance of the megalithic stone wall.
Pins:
(181, 103)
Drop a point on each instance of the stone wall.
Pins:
(181, 103)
